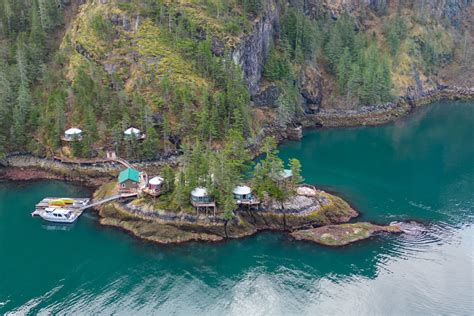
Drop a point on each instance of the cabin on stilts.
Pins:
(202, 201)
(243, 195)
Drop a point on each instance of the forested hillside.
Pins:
(209, 70)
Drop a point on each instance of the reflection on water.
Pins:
(412, 273)
(57, 226)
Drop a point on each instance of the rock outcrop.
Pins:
(311, 88)
(343, 234)
(267, 97)
(252, 51)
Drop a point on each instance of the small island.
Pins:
(343, 234)
(213, 196)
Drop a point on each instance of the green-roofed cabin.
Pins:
(129, 180)
(284, 176)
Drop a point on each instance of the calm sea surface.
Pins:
(420, 168)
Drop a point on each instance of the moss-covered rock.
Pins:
(343, 234)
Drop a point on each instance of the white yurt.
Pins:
(242, 192)
(73, 133)
(155, 183)
(200, 194)
(132, 131)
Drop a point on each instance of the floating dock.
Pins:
(77, 206)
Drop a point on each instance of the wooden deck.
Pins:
(247, 202)
(154, 193)
(203, 204)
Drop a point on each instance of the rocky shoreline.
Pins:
(385, 113)
(25, 166)
(165, 227)
(13, 166)
(38, 173)
(363, 116)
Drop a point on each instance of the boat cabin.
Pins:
(61, 213)
(72, 134)
(58, 215)
(129, 180)
(201, 200)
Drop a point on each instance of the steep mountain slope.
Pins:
(198, 69)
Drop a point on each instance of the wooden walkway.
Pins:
(109, 199)
(66, 160)
(123, 162)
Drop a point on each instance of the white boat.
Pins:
(58, 215)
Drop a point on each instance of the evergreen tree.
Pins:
(355, 81)
(268, 171)
(385, 80)
(235, 153)
(117, 138)
(36, 41)
(296, 177)
(214, 130)
(22, 60)
(182, 191)
(77, 147)
(44, 8)
(166, 130)
(334, 48)
(224, 179)
(284, 111)
(57, 103)
(253, 6)
(149, 146)
(277, 66)
(169, 177)
(20, 115)
(203, 122)
(393, 41)
(90, 135)
(7, 98)
(369, 76)
(343, 70)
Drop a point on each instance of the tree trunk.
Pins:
(284, 216)
(225, 228)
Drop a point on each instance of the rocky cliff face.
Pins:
(253, 50)
(450, 9)
(453, 10)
